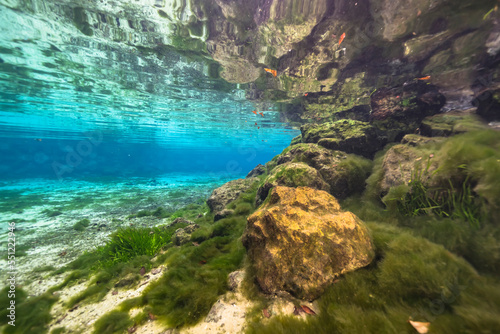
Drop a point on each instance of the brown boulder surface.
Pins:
(299, 241)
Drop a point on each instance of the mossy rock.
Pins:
(451, 123)
(350, 136)
(291, 174)
(345, 173)
(296, 140)
(417, 140)
(228, 192)
(301, 240)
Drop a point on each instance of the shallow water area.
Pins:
(45, 211)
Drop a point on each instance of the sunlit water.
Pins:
(100, 130)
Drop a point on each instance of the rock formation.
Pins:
(300, 240)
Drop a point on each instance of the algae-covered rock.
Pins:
(350, 136)
(450, 123)
(292, 174)
(228, 192)
(345, 173)
(417, 140)
(183, 235)
(401, 161)
(258, 170)
(301, 240)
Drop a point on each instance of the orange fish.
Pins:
(258, 127)
(341, 38)
(307, 310)
(424, 78)
(255, 112)
(261, 114)
(38, 139)
(266, 313)
(273, 72)
(255, 123)
(305, 94)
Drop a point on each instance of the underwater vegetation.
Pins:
(411, 277)
(435, 236)
(32, 314)
(81, 225)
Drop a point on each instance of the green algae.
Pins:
(32, 314)
(113, 322)
(81, 225)
(411, 278)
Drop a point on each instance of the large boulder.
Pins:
(291, 174)
(228, 192)
(344, 173)
(300, 240)
(346, 135)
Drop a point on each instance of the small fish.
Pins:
(255, 123)
(255, 112)
(307, 310)
(266, 313)
(142, 271)
(258, 127)
(273, 72)
(419, 12)
(38, 139)
(151, 316)
(424, 78)
(305, 94)
(260, 113)
(202, 262)
(341, 38)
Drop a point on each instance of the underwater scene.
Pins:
(249, 166)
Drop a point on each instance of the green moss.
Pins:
(408, 275)
(81, 224)
(32, 315)
(113, 322)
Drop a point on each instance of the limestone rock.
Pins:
(183, 235)
(291, 175)
(399, 163)
(258, 170)
(223, 214)
(228, 192)
(345, 173)
(181, 220)
(300, 241)
(350, 136)
(235, 279)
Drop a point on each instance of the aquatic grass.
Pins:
(130, 242)
(418, 198)
(197, 276)
(113, 322)
(32, 314)
(81, 225)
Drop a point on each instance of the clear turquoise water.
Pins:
(98, 129)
